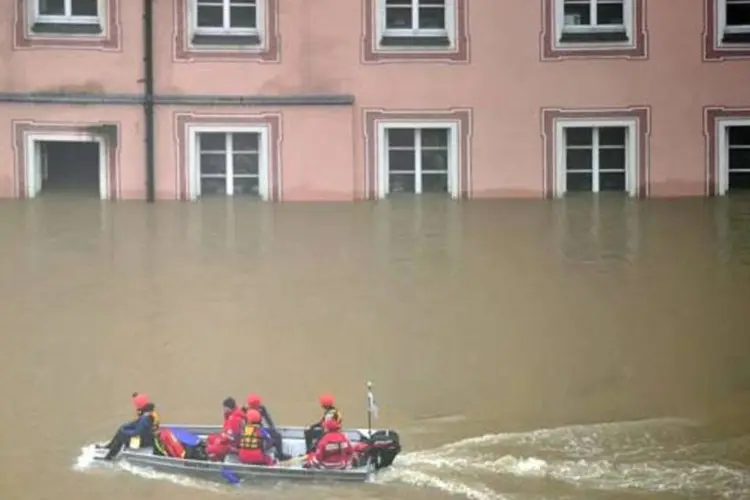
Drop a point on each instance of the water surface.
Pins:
(587, 348)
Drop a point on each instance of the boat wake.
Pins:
(86, 463)
(647, 456)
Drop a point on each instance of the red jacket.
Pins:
(234, 423)
(333, 451)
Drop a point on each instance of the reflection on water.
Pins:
(603, 231)
(473, 318)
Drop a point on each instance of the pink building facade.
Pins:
(358, 99)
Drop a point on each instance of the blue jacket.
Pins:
(137, 427)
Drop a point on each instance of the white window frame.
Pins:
(631, 153)
(194, 174)
(449, 31)
(561, 28)
(723, 150)
(454, 144)
(721, 26)
(226, 30)
(35, 169)
(37, 17)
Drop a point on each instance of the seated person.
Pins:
(254, 403)
(255, 442)
(145, 428)
(220, 444)
(313, 433)
(333, 450)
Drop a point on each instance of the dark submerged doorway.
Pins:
(69, 167)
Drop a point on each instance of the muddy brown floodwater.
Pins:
(583, 349)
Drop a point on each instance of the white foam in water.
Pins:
(86, 462)
(416, 478)
(172, 478)
(86, 459)
(585, 456)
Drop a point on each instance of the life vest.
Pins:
(333, 451)
(336, 449)
(155, 422)
(332, 413)
(252, 438)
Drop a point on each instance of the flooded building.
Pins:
(358, 99)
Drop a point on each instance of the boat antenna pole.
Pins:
(370, 402)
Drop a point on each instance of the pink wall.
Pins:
(505, 84)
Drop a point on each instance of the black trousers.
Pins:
(276, 438)
(312, 435)
(120, 439)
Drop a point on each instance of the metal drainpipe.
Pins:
(148, 97)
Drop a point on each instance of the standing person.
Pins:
(255, 403)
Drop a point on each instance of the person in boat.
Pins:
(220, 444)
(255, 403)
(333, 450)
(330, 412)
(145, 432)
(255, 441)
(141, 432)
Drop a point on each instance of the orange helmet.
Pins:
(326, 400)
(331, 425)
(140, 401)
(253, 401)
(253, 416)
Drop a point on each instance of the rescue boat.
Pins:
(382, 447)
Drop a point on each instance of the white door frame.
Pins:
(453, 126)
(722, 150)
(34, 166)
(194, 173)
(631, 150)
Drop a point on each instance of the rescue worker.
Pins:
(220, 444)
(255, 403)
(333, 450)
(315, 431)
(254, 441)
(145, 427)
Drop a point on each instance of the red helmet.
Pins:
(326, 400)
(140, 401)
(331, 425)
(253, 416)
(253, 401)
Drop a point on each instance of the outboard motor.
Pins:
(385, 445)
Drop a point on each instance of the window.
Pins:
(226, 22)
(417, 23)
(598, 21)
(419, 160)
(230, 164)
(738, 157)
(74, 17)
(734, 21)
(596, 159)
